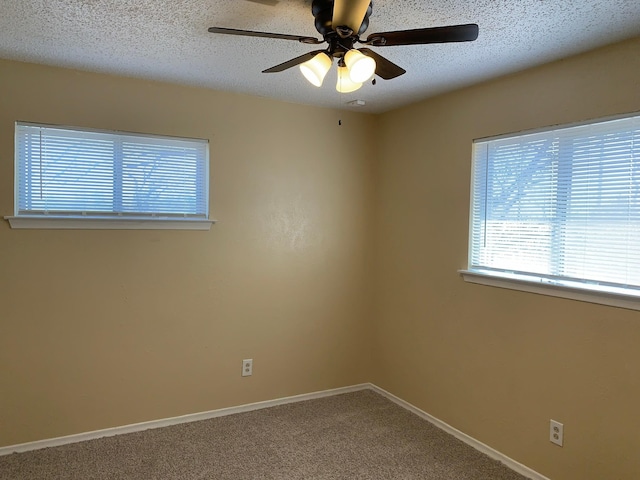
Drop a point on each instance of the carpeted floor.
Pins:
(359, 435)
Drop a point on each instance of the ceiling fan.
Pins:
(341, 22)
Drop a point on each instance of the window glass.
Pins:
(561, 205)
(72, 172)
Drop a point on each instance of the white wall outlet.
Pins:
(556, 432)
(247, 367)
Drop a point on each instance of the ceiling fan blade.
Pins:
(249, 33)
(384, 68)
(349, 13)
(293, 62)
(419, 36)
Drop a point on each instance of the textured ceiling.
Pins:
(168, 40)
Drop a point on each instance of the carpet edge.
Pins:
(166, 422)
(469, 440)
(194, 417)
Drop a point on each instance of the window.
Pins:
(85, 177)
(560, 207)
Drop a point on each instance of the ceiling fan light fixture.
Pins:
(345, 84)
(316, 69)
(361, 67)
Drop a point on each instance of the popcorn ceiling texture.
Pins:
(168, 41)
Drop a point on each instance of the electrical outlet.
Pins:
(247, 367)
(556, 432)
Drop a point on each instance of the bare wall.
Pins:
(498, 364)
(107, 328)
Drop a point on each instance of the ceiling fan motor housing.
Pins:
(322, 11)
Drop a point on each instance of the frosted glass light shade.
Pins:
(316, 69)
(345, 84)
(361, 68)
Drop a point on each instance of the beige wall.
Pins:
(498, 364)
(107, 328)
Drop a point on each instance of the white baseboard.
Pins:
(165, 422)
(194, 417)
(478, 445)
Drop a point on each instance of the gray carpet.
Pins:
(359, 435)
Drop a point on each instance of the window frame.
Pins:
(599, 293)
(109, 220)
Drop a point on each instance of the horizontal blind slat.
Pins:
(72, 170)
(559, 202)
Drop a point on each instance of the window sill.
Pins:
(99, 223)
(592, 294)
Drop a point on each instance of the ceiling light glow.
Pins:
(316, 69)
(361, 68)
(345, 84)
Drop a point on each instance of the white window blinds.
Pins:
(561, 205)
(71, 172)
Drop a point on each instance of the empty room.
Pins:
(285, 239)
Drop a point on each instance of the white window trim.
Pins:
(98, 223)
(594, 294)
